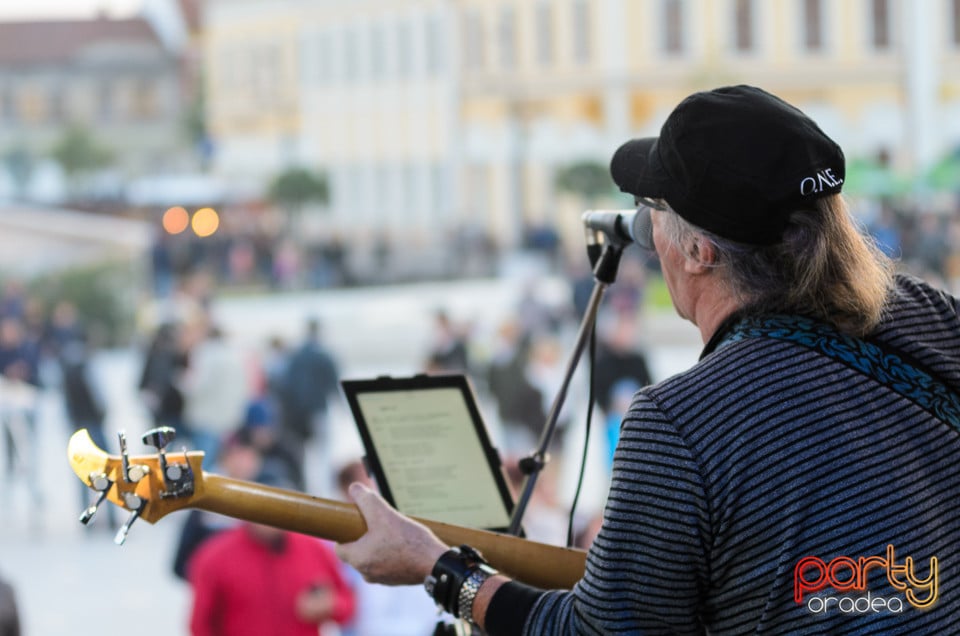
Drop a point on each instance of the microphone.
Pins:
(622, 226)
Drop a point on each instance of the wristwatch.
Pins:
(455, 580)
(470, 589)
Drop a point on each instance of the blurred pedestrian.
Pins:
(261, 430)
(160, 379)
(13, 299)
(83, 401)
(273, 366)
(620, 371)
(63, 327)
(309, 381)
(619, 358)
(9, 615)
(519, 402)
(448, 346)
(255, 579)
(19, 371)
(216, 387)
(162, 264)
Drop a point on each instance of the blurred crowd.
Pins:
(924, 242)
(250, 250)
(40, 347)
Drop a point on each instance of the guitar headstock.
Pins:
(149, 486)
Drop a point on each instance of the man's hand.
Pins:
(395, 549)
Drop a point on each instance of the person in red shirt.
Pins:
(254, 579)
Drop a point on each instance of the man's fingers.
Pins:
(372, 506)
(358, 491)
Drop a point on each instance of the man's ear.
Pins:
(700, 255)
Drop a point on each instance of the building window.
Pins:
(324, 58)
(32, 106)
(743, 25)
(437, 189)
(507, 32)
(880, 21)
(382, 185)
(145, 103)
(105, 110)
(351, 55)
(266, 67)
(434, 45)
(581, 31)
(812, 25)
(378, 52)
(955, 22)
(474, 51)
(226, 68)
(56, 110)
(7, 105)
(673, 43)
(544, 33)
(410, 186)
(404, 49)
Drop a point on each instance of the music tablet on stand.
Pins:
(428, 449)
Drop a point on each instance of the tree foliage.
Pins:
(296, 187)
(588, 179)
(19, 163)
(77, 152)
(103, 293)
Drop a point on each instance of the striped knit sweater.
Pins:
(771, 489)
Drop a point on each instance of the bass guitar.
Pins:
(152, 486)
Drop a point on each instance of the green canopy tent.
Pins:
(944, 176)
(870, 178)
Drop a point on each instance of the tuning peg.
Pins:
(173, 472)
(178, 477)
(135, 503)
(159, 437)
(101, 483)
(87, 515)
(131, 472)
(121, 536)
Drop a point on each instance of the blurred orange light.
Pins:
(175, 220)
(205, 222)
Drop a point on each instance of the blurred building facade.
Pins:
(432, 115)
(364, 92)
(117, 83)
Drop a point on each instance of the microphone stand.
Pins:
(604, 254)
(605, 259)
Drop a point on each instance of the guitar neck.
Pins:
(537, 564)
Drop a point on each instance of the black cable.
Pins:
(586, 437)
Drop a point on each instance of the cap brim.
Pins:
(636, 169)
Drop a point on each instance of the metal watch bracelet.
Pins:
(449, 574)
(468, 591)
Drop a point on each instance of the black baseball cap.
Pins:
(735, 161)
